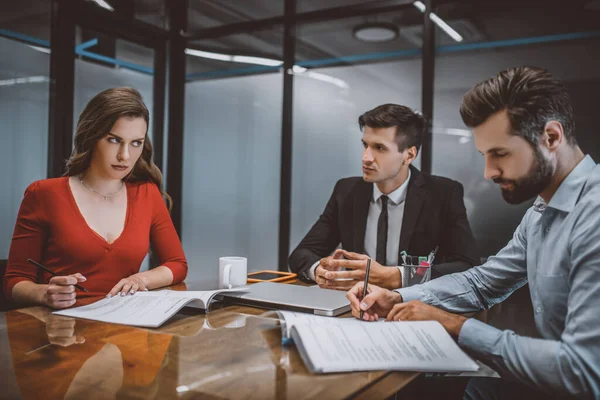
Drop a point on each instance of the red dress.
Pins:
(50, 229)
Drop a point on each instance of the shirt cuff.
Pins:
(412, 293)
(311, 272)
(401, 275)
(478, 338)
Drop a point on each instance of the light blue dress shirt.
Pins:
(556, 248)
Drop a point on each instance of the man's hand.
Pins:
(419, 311)
(325, 265)
(377, 303)
(336, 278)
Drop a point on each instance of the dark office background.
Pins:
(251, 153)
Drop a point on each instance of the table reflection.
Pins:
(65, 357)
(59, 357)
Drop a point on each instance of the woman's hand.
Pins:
(129, 285)
(60, 291)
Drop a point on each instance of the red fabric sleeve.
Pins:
(164, 239)
(28, 240)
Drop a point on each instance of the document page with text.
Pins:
(362, 346)
(148, 309)
(292, 318)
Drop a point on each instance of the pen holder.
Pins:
(415, 274)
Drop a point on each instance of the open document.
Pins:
(147, 309)
(289, 319)
(352, 345)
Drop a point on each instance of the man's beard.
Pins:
(537, 179)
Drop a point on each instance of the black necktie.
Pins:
(382, 232)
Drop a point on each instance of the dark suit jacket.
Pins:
(434, 214)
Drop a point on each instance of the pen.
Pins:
(431, 256)
(37, 264)
(366, 283)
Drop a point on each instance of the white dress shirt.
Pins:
(395, 215)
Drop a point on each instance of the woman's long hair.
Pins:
(96, 121)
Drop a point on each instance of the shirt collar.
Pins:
(397, 196)
(567, 194)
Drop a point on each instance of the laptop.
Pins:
(280, 296)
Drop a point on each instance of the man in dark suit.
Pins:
(393, 207)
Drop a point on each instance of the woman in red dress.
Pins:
(94, 226)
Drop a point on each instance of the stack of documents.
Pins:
(344, 345)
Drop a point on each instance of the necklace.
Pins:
(107, 196)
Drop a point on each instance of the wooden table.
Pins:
(231, 352)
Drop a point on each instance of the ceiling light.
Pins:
(40, 49)
(298, 69)
(439, 22)
(376, 32)
(104, 4)
(420, 6)
(29, 79)
(209, 55)
(257, 60)
(233, 58)
(446, 28)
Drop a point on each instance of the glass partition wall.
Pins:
(24, 93)
(232, 152)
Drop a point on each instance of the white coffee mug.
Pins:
(233, 272)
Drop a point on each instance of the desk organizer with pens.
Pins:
(415, 270)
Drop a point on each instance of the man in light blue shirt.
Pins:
(522, 124)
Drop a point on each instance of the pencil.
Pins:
(37, 264)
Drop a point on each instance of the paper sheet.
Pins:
(359, 346)
(292, 318)
(148, 309)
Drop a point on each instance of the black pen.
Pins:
(366, 284)
(37, 264)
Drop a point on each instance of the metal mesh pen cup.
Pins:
(415, 274)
